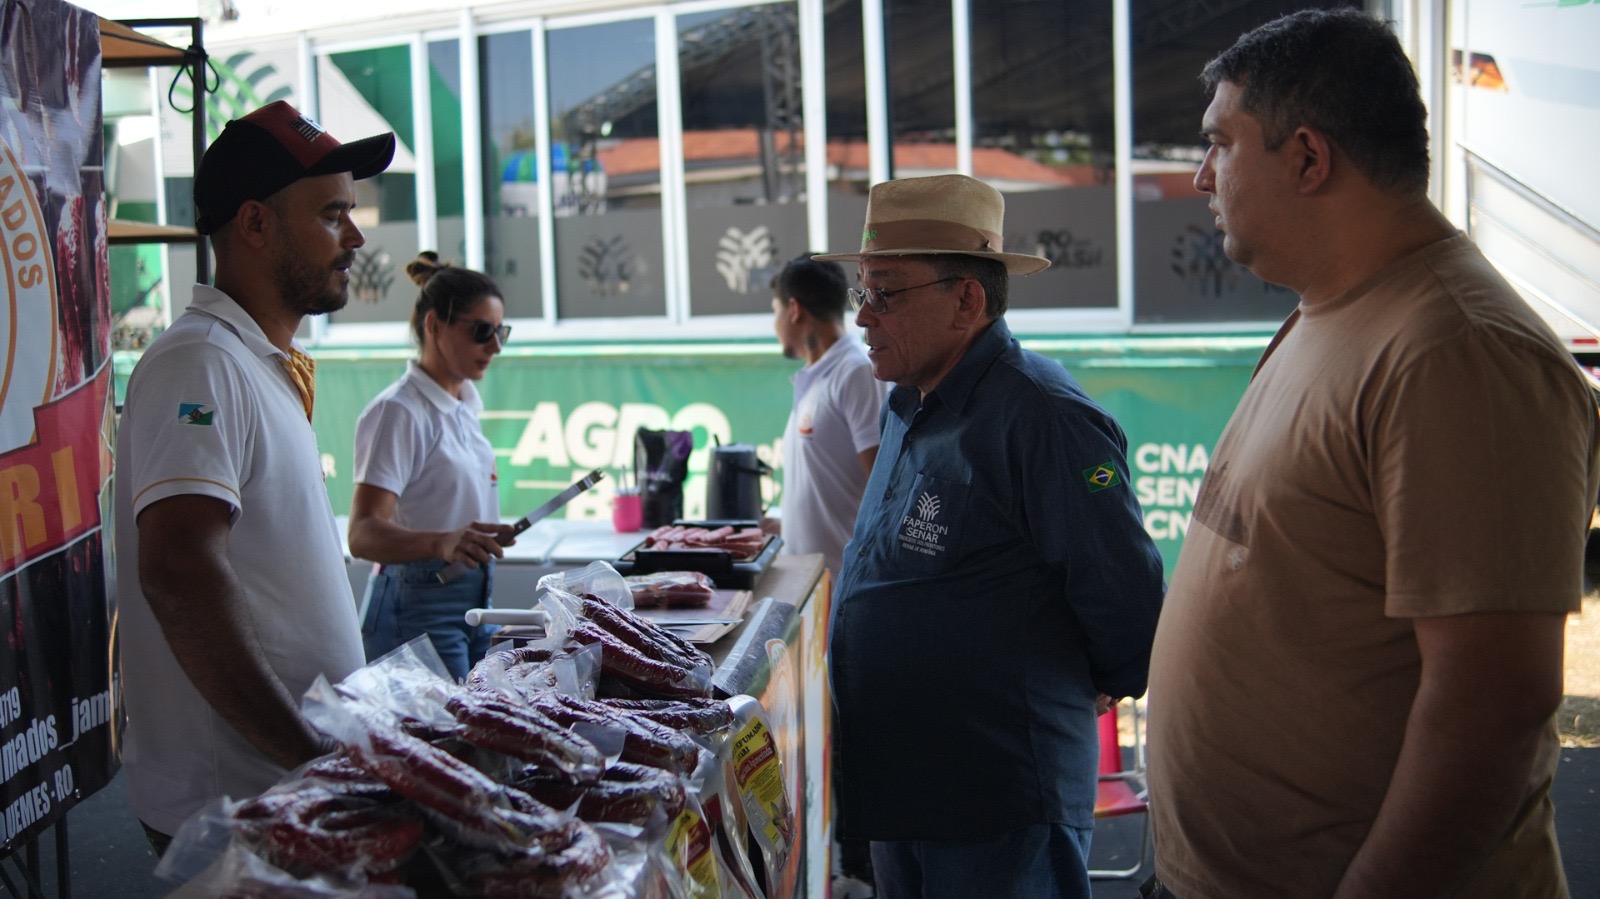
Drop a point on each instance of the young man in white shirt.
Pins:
(829, 444)
(831, 439)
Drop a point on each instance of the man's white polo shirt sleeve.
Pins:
(190, 420)
(861, 401)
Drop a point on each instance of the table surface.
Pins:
(551, 540)
(562, 544)
(555, 544)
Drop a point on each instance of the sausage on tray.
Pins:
(743, 543)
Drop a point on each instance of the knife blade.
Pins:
(456, 569)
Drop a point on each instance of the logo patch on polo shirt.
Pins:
(195, 413)
(921, 531)
(1101, 477)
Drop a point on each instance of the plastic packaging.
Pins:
(693, 855)
(596, 578)
(720, 806)
(758, 777)
(638, 658)
(671, 590)
(239, 872)
(548, 664)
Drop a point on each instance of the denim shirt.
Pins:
(999, 578)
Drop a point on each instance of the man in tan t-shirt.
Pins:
(1359, 660)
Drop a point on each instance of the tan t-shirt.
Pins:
(1420, 446)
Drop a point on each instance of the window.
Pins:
(510, 170)
(848, 163)
(1046, 111)
(444, 103)
(365, 92)
(1180, 273)
(1043, 133)
(739, 73)
(606, 156)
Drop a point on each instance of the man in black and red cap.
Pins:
(232, 590)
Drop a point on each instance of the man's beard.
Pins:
(306, 285)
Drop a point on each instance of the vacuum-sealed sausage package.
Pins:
(638, 658)
(759, 781)
(712, 785)
(672, 590)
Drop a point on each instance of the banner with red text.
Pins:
(57, 703)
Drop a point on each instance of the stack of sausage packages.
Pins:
(593, 763)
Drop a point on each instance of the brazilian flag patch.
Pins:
(1100, 477)
(195, 413)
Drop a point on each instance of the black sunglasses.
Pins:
(483, 332)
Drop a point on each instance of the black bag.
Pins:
(660, 466)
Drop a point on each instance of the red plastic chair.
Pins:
(1122, 791)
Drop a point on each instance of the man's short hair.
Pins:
(1342, 72)
(990, 273)
(820, 287)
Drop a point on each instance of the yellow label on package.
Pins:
(760, 777)
(689, 844)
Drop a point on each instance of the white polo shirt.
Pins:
(211, 411)
(837, 402)
(425, 446)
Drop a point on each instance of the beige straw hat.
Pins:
(939, 214)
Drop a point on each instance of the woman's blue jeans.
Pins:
(406, 600)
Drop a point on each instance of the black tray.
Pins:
(724, 569)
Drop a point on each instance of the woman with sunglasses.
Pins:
(426, 490)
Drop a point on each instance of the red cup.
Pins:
(627, 512)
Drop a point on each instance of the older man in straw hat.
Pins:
(1000, 589)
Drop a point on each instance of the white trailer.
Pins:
(1520, 129)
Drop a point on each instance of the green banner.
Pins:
(554, 412)
(1172, 399)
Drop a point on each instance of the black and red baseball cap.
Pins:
(256, 156)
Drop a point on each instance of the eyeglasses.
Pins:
(483, 331)
(878, 300)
